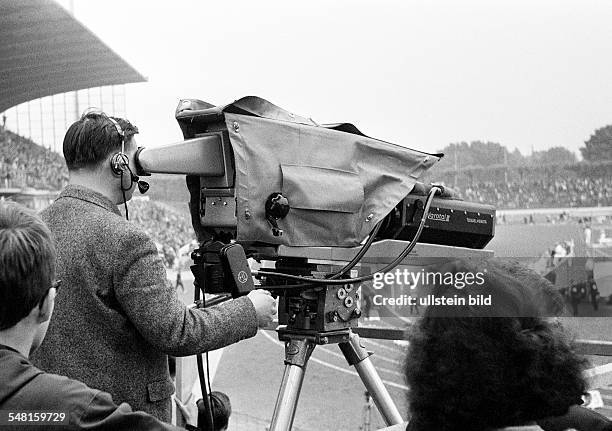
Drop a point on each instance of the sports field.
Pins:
(332, 397)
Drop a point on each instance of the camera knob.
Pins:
(277, 207)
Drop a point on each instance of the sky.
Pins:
(422, 74)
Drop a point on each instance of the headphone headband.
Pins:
(119, 131)
(119, 161)
(96, 113)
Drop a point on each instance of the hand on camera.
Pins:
(265, 306)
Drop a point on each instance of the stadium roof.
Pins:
(44, 50)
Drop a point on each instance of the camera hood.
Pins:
(337, 182)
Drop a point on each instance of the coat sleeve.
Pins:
(103, 414)
(152, 305)
(579, 418)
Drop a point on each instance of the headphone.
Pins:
(120, 161)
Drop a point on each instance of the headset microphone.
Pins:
(143, 186)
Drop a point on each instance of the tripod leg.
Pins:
(358, 356)
(297, 353)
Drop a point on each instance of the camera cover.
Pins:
(339, 182)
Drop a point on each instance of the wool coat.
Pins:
(117, 317)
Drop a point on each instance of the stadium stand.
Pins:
(34, 34)
(25, 164)
(578, 185)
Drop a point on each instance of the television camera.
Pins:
(308, 202)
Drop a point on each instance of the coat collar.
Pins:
(88, 195)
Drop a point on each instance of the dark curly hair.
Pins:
(469, 372)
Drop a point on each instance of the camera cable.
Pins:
(204, 378)
(127, 214)
(359, 255)
(389, 267)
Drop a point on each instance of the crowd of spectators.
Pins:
(26, 164)
(169, 228)
(563, 189)
(582, 192)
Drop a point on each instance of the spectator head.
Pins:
(221, 411)
(488, 367)
(27, 272)
(94, 138)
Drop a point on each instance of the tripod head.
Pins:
(311, 307)
(223, 269)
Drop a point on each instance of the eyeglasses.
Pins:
(54, 285)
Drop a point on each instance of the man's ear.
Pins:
(46, 308)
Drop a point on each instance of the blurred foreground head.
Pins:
(488, 367)
(221, 411)
(27, 271)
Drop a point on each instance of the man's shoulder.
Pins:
(64, 387)
(69, 209)
(86, 408)
(68, 213)
(38, 389)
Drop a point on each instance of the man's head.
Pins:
(221, 411)
(27, 272)
(89, 146)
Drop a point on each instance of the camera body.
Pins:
(267, 180)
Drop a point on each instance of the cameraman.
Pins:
(117, 315)
(27, 295)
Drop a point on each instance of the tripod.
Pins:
(299, 345)
(310, 314)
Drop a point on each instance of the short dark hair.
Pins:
(27, 262)
(93, 137)
(469, 368)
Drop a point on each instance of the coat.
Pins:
(23, 387)
(577, 418)
(116, 316)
